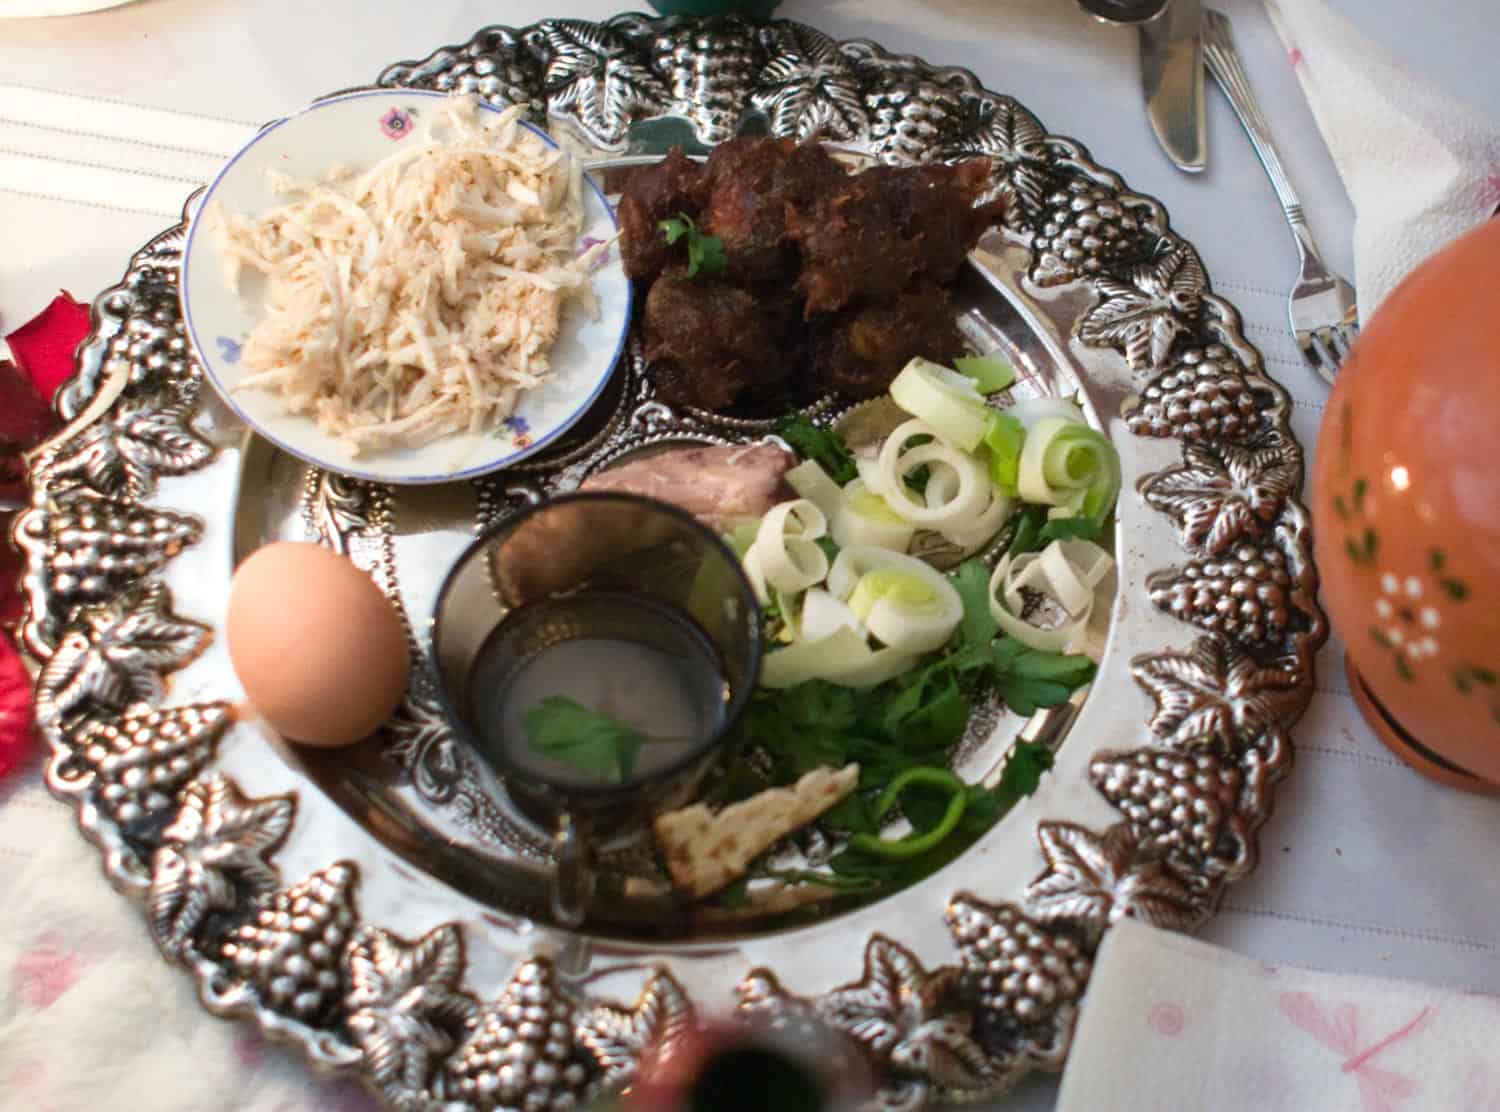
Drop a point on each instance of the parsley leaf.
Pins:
(1022, 774)
(1028, 533)
(1071, 528)
(1024, 767)
(594, 743)
(917, 478)
(705, 253)
(823, 446)
(1028, 679)
(972, 582)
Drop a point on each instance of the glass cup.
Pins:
(596, 650)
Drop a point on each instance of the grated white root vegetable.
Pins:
(419, 298)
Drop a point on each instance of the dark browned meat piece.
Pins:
(717, 485)
(751, 183)
(940, 215)
(859, 351)
(653, 194)
(869, 237)
(744, 209)
(710, 342)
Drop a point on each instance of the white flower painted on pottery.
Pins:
(1406, 620)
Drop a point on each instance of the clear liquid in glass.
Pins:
(643, 663)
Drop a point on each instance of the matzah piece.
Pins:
(705, 851)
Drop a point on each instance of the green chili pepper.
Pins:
(912, 845)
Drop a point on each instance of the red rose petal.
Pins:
(16, 733)
(43, 347)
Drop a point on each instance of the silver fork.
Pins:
(1323, 314)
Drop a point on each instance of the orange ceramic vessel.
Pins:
(1406, 506)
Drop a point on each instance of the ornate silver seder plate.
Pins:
(382, 907)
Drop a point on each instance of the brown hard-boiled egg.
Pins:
(1406, 500)
(319, 650)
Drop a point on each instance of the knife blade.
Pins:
(1172, 80)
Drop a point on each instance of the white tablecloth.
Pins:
(1365, 867)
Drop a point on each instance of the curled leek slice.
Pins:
(785, 555)
(973, 536)
(873, 669)
(1066, 572)
(946, 400)
(1031, 410)
(822, 615)
(843, 657)
(990, 374)
(863, 517)
(810, 481)
(969, 495)
(807, 659)
(1068, 464)
(904, 602)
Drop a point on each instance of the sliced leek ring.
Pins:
(785, 554)
(880, 665)
(946, 400)
(910, 622)
(843, 657)
(1065, 463)
(810, 481)
(809, 659)
(975, 535)
(822, 615)
(897, 461)
(863, 517)
(1068, 572)
(1031, 410)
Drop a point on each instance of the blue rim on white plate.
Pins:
(217, 329)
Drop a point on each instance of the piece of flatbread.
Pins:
(705, 851)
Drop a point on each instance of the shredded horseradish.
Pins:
(417, 299)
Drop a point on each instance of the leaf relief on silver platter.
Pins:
(1190, 785)
(215, 858)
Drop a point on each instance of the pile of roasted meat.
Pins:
(832, 280)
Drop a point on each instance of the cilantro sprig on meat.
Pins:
(705, 253)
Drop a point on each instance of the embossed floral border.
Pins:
(297, 956)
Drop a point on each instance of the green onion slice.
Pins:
(914, 844)
(990, 374)
(946, 400)
(1068, 464)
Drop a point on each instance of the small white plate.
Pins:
(357, 130)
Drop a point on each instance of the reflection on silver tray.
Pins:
(253, 874)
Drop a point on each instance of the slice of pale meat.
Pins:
(719, 485)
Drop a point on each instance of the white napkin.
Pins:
(1173, 1023)
(91, 1017)
(107, 153)
(1420, 167)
